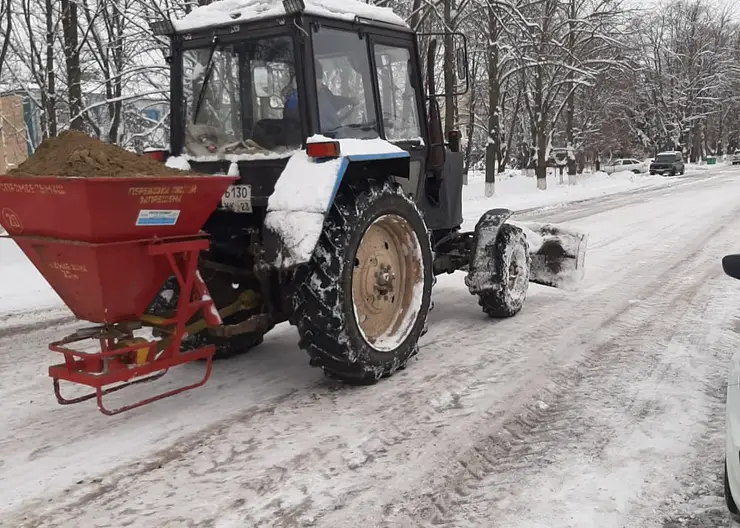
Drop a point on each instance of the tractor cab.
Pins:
(251, 85)
(347, 198)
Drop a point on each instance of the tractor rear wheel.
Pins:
(512, 274)
(363, 300)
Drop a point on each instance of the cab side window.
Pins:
(344, 85)
(399, 105)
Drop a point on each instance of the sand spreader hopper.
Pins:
(106, 246)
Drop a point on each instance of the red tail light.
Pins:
(159, 155)
(328, 149)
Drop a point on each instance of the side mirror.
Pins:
(460, 63)
(731, 265)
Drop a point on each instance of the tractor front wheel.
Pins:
(512, 274)
(363, 300)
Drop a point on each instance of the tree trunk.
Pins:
(540, 136)
(472, 107)
(5, 43)
(510, 138)
(72, 59)
(116, 52)
(50, 106)
(415, 15)
(494, 96)
(571, 109)
(449, 68)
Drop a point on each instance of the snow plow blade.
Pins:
(558, 255)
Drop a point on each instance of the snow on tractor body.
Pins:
(344, 202)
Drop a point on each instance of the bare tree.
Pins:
(6, 27)
(72, 62)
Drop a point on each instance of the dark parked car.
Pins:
(668, 163)
(736, 157)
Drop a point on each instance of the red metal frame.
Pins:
(112, 364)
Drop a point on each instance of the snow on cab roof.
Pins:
(225, 12)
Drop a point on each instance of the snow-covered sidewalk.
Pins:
(516, 191)
(22, 287)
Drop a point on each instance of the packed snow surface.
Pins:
(606, 405)
(225, 12)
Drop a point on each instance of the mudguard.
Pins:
(482, 269)
(557, 254)
(305, 192)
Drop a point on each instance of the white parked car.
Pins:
(736, 158)
(731, 265)
(626, 164)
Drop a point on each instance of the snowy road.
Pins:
(597, 408)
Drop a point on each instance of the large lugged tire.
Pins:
(512, 274)
(363, 299)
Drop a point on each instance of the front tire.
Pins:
(363, 300)
(512, 274)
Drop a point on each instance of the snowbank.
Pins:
(23, 288)
(227, 12)
(515, 191)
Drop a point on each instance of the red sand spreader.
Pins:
(106, 246)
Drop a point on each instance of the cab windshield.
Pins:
(240, 99)
(666, 158)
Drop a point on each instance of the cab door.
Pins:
(399, 106)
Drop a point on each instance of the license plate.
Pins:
(238, 198)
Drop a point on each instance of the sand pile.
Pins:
(77, 154)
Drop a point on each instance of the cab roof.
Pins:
(230, 12)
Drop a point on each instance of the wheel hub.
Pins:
(386, 272)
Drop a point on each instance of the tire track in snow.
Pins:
(521, 446)
(696, 246)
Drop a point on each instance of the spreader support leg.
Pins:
(122, 359)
